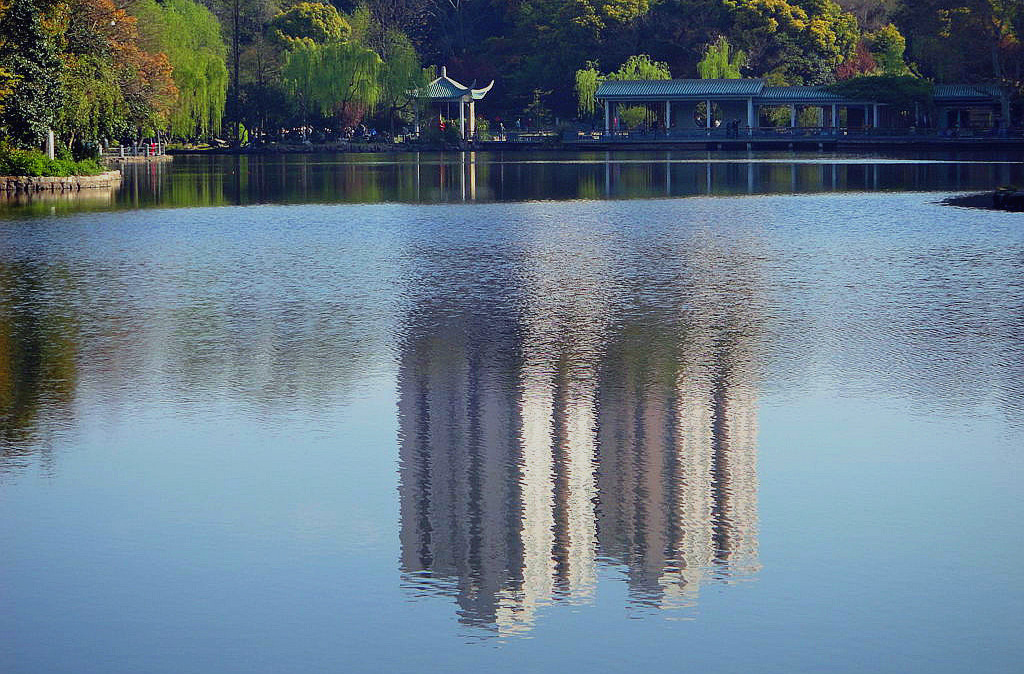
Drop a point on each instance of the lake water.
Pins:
(641, 412)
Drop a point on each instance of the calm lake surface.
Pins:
(662, 412)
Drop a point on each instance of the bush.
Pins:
(14, 162)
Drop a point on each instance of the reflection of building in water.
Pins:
(460, 493)
(677, 481)
(535, 441)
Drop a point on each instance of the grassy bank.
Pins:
(35, 163)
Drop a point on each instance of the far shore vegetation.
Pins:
(103, 72)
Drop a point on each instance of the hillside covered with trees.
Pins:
(114, 69)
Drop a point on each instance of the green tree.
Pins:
(321, 23)
(636, 67)
(190, 36)
(326, 79)
(27, 51)
(896, 91)
(401, 75)
(720, 62)
(887, 46)
(111, 83)
(793, 43)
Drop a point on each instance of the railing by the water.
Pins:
(137, 150)
(783, 133)
(526, 137)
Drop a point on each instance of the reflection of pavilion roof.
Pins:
(445, 88)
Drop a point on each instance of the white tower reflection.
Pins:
(539, 439)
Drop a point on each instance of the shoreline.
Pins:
(711, 144)
(30, 184)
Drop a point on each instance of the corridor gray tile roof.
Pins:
(655, 89)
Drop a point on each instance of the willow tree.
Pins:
(327, 78)
(720, 62)
(636, 67)
(190, 36)
(401, 77)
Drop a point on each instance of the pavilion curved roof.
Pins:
(445, 88)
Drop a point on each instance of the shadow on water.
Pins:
(220, 180)
(545, 435)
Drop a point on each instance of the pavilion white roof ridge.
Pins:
(445, 87)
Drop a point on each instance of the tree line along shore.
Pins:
(101, 72)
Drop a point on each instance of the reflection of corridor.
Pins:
(535, 443)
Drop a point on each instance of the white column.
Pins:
(668, 115)
(49, 144)
(792, 116)
(462, 119)
(750, 114)
(607, 117)
(835, 116)
(472, 119)
(707, 115)
(875, 123)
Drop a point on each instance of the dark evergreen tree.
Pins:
(27, 51)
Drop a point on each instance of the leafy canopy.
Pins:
(636, 67)
(720, 62)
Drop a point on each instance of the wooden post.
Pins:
(462, 119)
(607, 117)
(751, 122)
(707, 114)
(668, 116)
(792, 116)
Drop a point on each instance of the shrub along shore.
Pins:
(35, 163)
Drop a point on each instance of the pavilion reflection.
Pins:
(542, 441)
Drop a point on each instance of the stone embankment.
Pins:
(67, 184)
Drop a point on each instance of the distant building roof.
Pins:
(445, 88)
(675, 89)
(661, 90)
(820, 95)
(965, 92)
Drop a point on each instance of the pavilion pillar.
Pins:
(750, 115)
(462, 119)
(607, 117)
(792, 116)
(876, 117)
(668, 115)
(472, 118)
(707, 115)
(835, 115)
